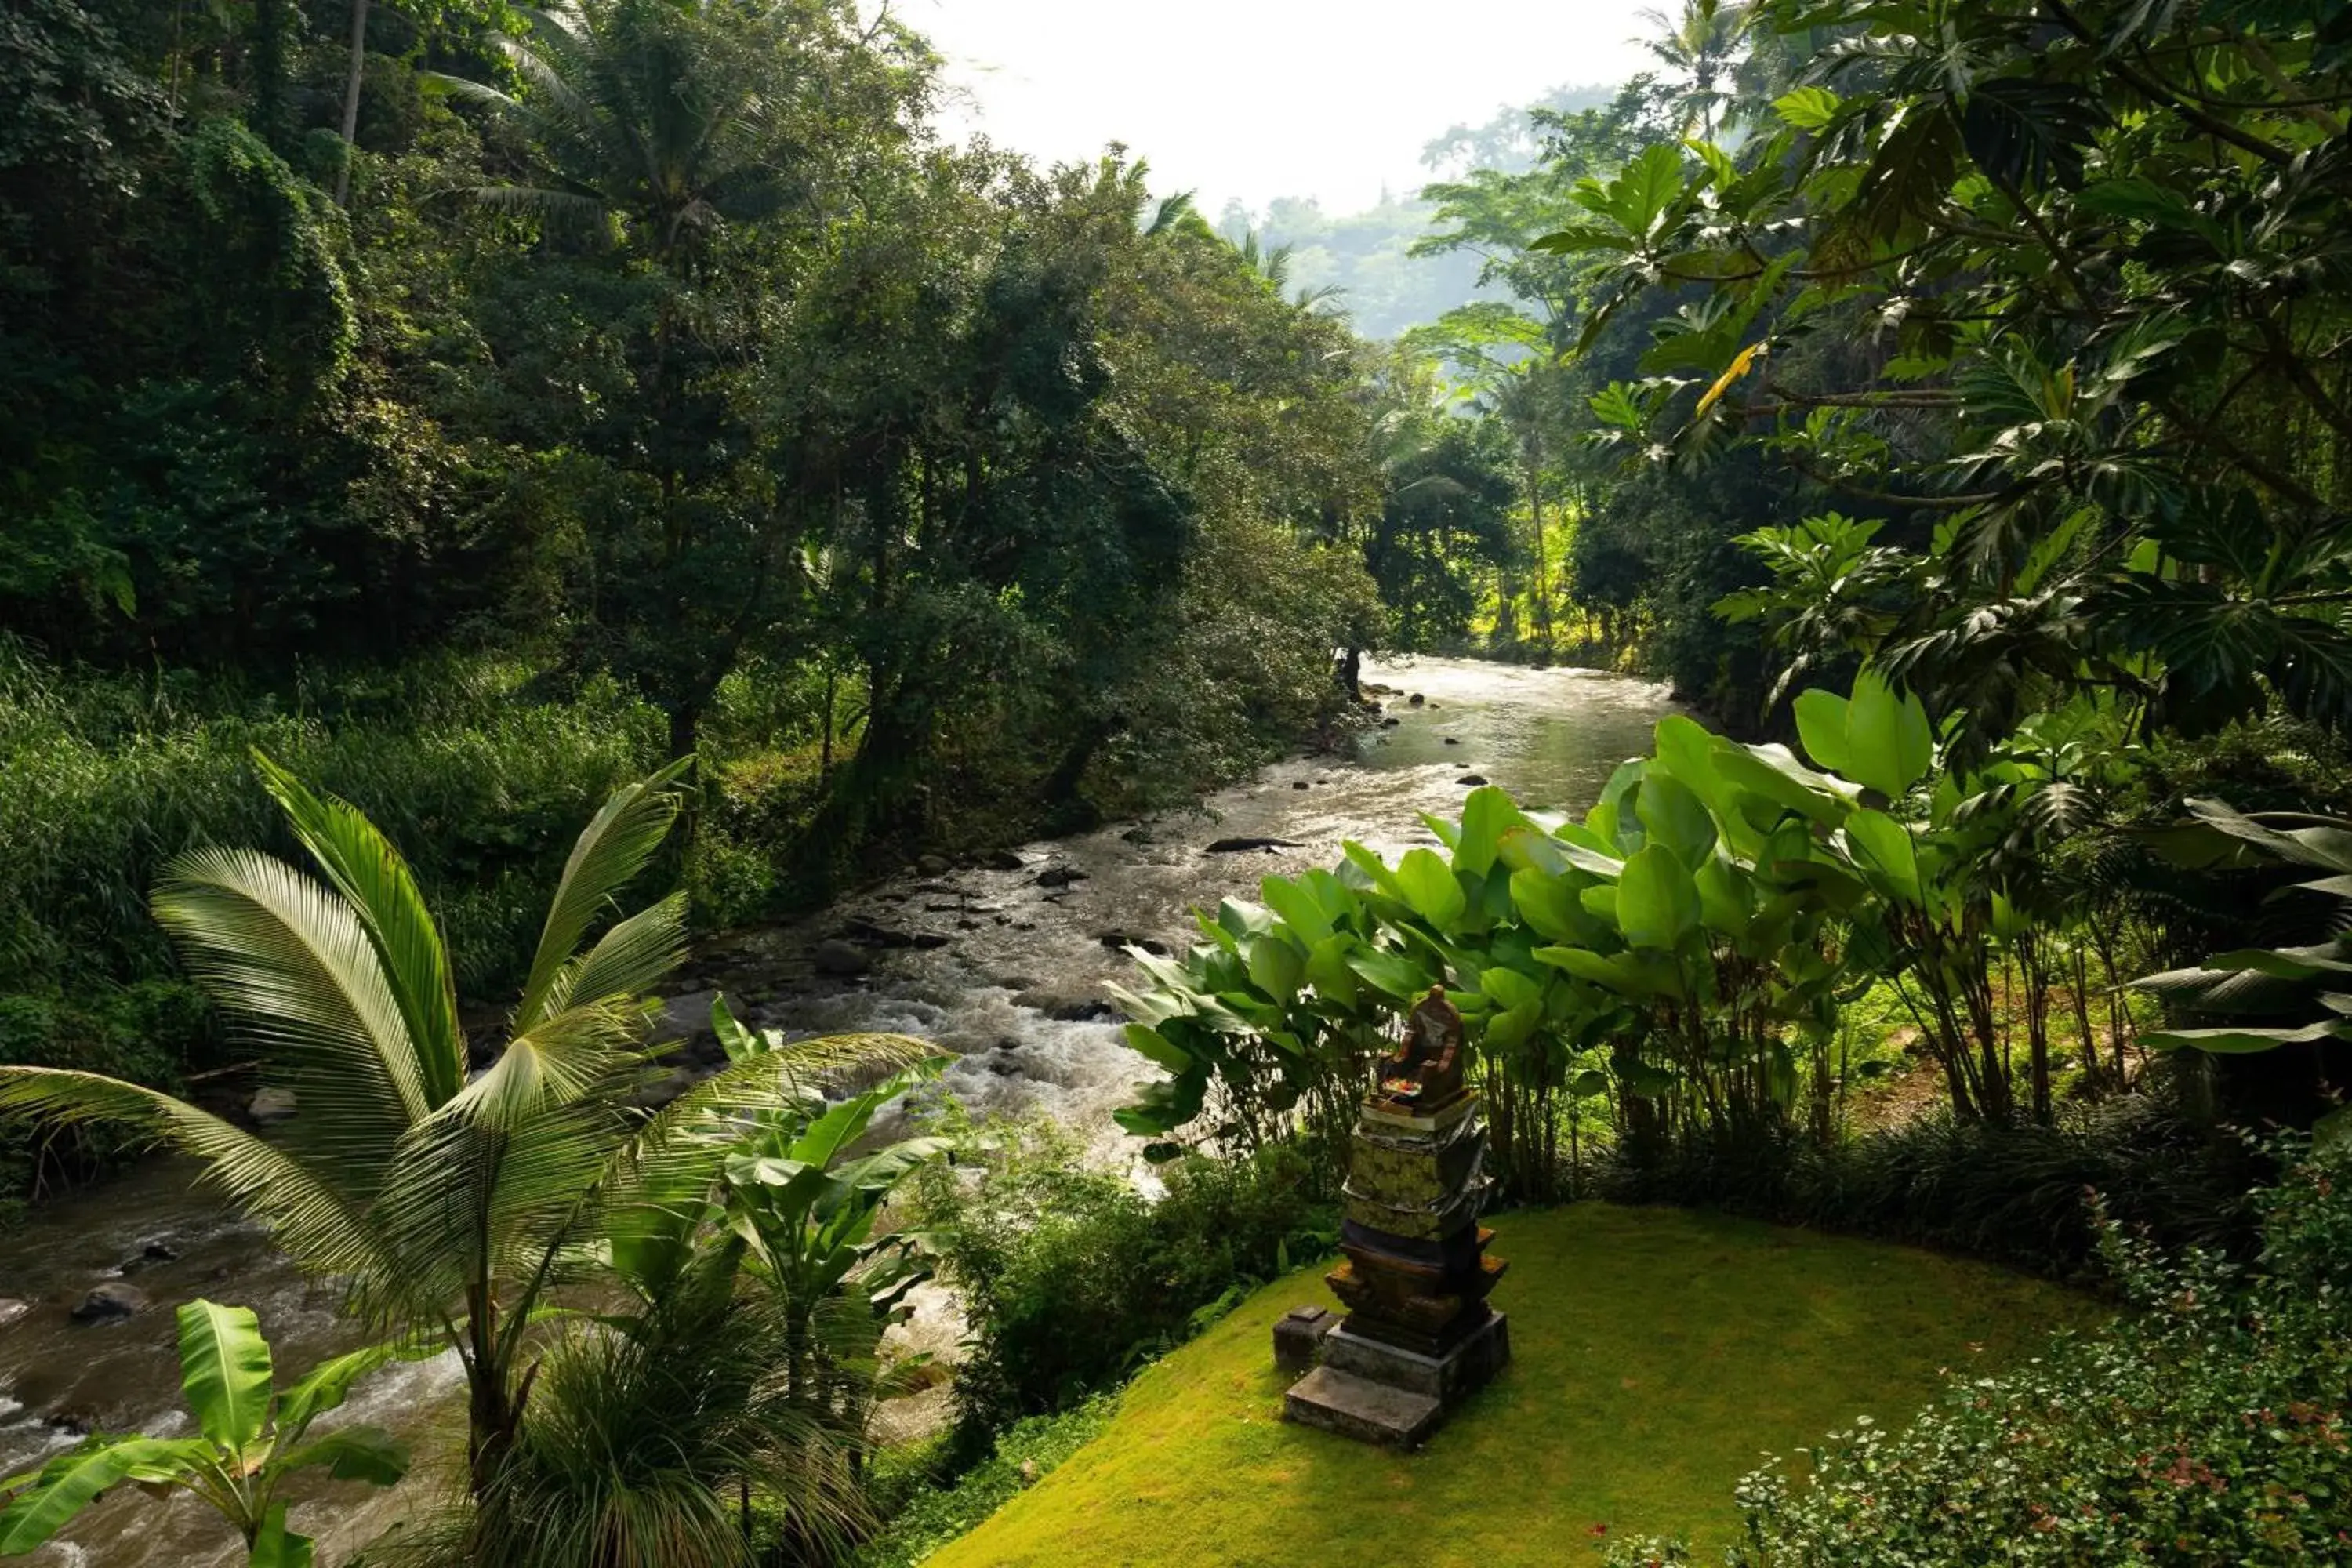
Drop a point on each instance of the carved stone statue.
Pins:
(1426, 1069)
(1419, 1336)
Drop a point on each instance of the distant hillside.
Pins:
(1366, 256)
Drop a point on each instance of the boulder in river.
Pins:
(1006, 860)
(932, 865)
(270, 1105)
(1415, 700)
(1390, 723)
(1060, 876)
(1473, 780)
(110, 1303)
(1117, 939)
(1300, 783)
(1452, 741)
(1243, 846)
(687, 1016)
(840, 959)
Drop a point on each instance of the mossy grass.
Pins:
(1658, 1355)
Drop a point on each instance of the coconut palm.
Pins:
(1699, 48)
(452, 1204)
(658, 115)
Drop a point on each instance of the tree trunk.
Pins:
(825, 758)
(352, 102)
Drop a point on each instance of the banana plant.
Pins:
(252, 1437)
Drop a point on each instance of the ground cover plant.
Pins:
(2210, 1423)
(1653, 1349)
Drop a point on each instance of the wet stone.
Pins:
(110, 1303)
(841, 959)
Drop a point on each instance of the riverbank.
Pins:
(1005, 965)
(482, 770)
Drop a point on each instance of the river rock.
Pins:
(1390, 723)
(1452, 742)
(932, 865)
(11, 1310)
(1243, 846)
(1473, 780)
(841, 959)
(1116, 940)
(1136, 835)
(1415, 700)
(110, 1303)
(687, 1017)
(270, 1105)
(1005, 861)
(1094, 1010)
(1300, 783)
(872, 934)
(158, 1251)
(1060, 876)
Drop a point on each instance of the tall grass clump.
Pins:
(485, 774)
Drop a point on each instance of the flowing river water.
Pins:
(1000, 968)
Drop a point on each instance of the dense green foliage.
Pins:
(1071, 1278)
(2206, 1426)
(475, 409)
(732, 1237)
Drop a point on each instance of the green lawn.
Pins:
(1657, 1353)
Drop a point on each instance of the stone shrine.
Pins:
(1419, 1336)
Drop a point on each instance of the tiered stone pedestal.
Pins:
(1418, 1337)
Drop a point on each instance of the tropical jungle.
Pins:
(715, 800)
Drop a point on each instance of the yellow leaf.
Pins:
(1723, 383)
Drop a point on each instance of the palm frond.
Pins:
(631, 958)
(612, 850)
(369, 872)
(325, 1234)
(293, 965)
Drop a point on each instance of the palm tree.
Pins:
(660, 116)
(1700, 49)
(451, 1204)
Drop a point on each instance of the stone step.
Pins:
(1360, 1408)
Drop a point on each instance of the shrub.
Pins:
(925, 1514)
(1071, 1277)
(2213, 1425)
(2009, 1190)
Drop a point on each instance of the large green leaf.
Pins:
(1329, 971)
(367, 1454)
(1821, 725)
(2243, 1041)
(274, 1546)
(1297, 908)
(1388, 971)
(1486, 815)
(1888, 744)
(1548, 904)
(1428, 885)
(1885, 846)
(68, 1484)
(1275, 966)
(1673, 814)
(1657, 900)
(225, 1370)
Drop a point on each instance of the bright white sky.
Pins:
(1258, 99)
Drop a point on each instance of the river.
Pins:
(1004, 971)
